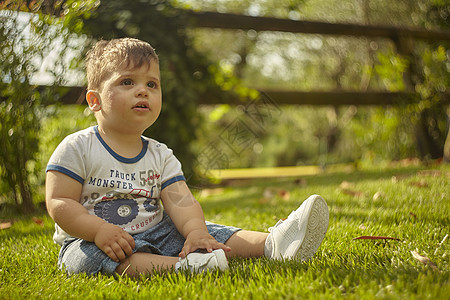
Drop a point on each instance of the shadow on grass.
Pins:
(248, 192)
(324, 179)
(335, 270)
(39, 224)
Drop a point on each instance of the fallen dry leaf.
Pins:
(421, 183)
(353, 193)
(301, 182)
(406, 162)
(284, 194)
(5, 225)
(346, 185)
(211, 192)
(269, 192)
(430, 173)
(263, 200)
(348, 188)
(398, 177)
(423, 259)
(38, 221)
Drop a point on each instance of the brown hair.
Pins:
(107, 56)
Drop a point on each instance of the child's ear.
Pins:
(93, 100)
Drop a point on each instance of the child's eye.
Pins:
(126, 82)
(152, 85)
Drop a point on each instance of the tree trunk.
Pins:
(447, 140)
(427, 146)
(21, 181)
(27, 198)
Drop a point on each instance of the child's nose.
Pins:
(141, 92)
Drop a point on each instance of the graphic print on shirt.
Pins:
(122, 208)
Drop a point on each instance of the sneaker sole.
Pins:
(317, 215)
(318, 219)
(222, 262)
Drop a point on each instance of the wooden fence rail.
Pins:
(75, 95)
(234, 21)
(402, 38)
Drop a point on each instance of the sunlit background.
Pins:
(208, 64)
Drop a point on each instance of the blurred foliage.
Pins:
(390, 70)
(299, 135)
(297, 61)
(185, 73)
(432, 78)
(197, 62)
(25, 42)
(429, 114)
(279, 60)
(402, 13)
(59, 123)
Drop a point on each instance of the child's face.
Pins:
(130, 99)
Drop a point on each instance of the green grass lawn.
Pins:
(407, 203)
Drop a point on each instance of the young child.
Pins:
(107, 185)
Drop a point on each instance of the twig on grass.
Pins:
(371, 237)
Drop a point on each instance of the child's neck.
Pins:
(124, 144)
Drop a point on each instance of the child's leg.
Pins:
(299, 236)
(245, 243)
(145, 263)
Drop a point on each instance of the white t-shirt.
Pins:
(122, 191)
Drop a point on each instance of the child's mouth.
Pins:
(141, 106)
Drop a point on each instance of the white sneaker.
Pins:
(200, 262)
(300, 235)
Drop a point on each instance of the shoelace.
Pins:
(276, 225)
(280, 221)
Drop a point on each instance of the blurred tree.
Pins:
(430, 76)
(185, 73)
(26, 40)
(273, 60)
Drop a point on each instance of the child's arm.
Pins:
(187, 215)
(62, 194)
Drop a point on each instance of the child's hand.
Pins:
(199, 239)
(114, 241)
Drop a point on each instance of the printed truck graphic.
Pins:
(121, 208)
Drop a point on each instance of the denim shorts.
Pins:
(80, 256)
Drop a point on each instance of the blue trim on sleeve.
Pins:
(119, 157)
(65, 171)
(172, 180)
